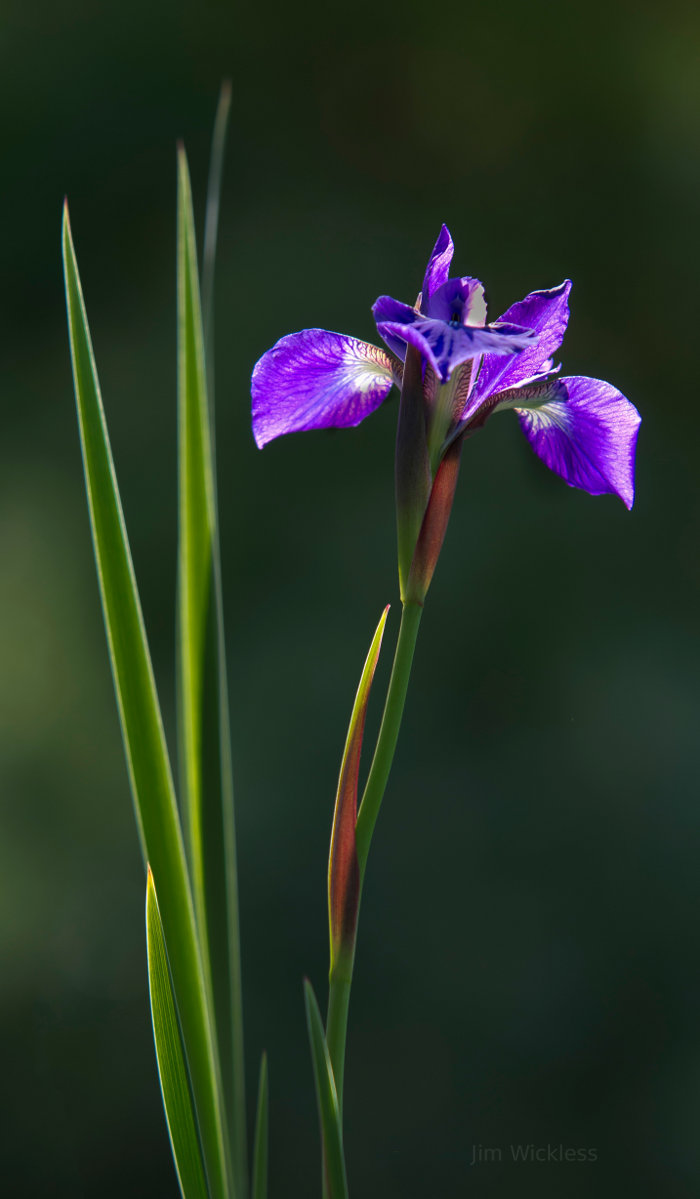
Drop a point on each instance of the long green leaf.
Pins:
(196, 506)
(211, 226)
(205, 748)
(144, 741)
(327, 1099)
(175, 1086)
(217, 715)
(261, 1136)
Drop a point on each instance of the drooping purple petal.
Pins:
(587, 434)
(444, 345)
(438, 267)
(393, 313)
(317, 380)
(547, 312)
(546, 372)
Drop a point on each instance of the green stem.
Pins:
(389, 730)
(341, 976)
(337, 1026)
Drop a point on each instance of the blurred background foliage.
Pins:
(527, 971)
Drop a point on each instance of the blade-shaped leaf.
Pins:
(205, 749)
(327, 1099)
(175, 1085)
(211, 226)
(142, 729)
(196, 522)
(261, 1136)
(343, 868)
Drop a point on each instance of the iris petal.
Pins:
(587, 434)
(459, 298)
(547, 312)
(445, 346)
(317, 380)
(438, 267)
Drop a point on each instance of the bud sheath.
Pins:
(412, 464)
(434, 526)
(343, 868)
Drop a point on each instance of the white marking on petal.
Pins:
(317, 380)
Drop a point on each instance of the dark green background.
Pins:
(528, 961)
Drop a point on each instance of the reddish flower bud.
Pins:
(343, 867)
(434, 526)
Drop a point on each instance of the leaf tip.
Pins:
(151, 896)
(66, 234)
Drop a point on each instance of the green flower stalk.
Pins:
(454, 371)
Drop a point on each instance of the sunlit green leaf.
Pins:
(202, 689)
(144, 741)
(196, 523)
(211, 225)
(175, 1086)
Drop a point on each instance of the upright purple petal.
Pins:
(460, 300)
(444, 345)
(547, 312)
(588, 435)
(317, 380)
(438, 267)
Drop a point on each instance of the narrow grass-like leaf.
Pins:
(211, 226)
(142, 729)
(327, 1099)
(202, 692)
(261, 1136)
(217, 716)
(196, 504)
(175, 1085)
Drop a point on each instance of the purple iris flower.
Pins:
(584, 429)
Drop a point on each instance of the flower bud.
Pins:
(343, 867)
